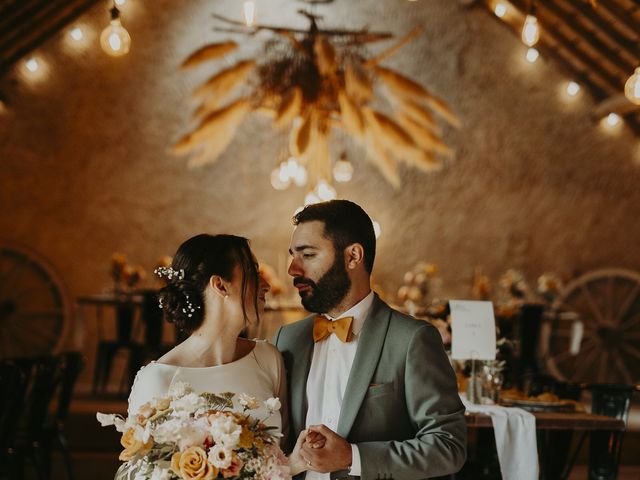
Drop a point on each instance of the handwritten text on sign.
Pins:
(473, 330)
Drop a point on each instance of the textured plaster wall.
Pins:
(535, 183)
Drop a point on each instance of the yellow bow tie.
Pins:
(323, 327)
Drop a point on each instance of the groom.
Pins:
(374, 382)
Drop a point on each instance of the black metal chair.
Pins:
(29, 440)
(14, 382)
(69, 366)
(108, 349)
(611, 400)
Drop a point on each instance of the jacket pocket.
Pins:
(379, 389)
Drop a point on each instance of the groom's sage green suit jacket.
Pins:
(401, 405)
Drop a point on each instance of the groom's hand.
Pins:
(335, 455)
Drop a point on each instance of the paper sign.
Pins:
(473, 330)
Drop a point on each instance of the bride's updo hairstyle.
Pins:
(195, 262)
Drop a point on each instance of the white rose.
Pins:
(248, 401)
(180, 431)
(220, 456)
(225, 430)
(112, 419)
(272, 404)
(188, 404)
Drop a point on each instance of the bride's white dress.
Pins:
(260, 373)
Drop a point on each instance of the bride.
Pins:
(213, 291)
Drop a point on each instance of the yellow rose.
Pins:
(192, 464)
(132, 446)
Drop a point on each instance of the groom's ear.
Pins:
(354, 255)
(219, 286)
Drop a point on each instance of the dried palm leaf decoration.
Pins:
(309, 82)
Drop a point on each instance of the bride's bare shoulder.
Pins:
(174, 357)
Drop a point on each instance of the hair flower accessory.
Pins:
(169, 273)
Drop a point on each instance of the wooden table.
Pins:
(557, 421)
(126, 308)
(555, 431)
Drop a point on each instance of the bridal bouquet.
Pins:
(189, 436)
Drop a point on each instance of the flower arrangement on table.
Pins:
(124, 274)
(190, 436)
(419, 285)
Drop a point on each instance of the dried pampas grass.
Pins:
(352, 120)
(224, 82)
(290, 107)
(422, 136)
(399, 85)
(300, 137)
(325, 56)
(357, 83)
(215, 132)
(209, 52)
(387, 165)
(420, 114)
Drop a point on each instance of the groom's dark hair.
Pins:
(345, 223)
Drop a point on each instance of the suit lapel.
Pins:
(370, 343)
(299, 374)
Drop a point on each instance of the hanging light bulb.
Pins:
(301, 176)
(613, 119)
(311, 198)
(115, 40)
(325, 191)
(573, 88)
(249, 10)
(500, 10)
(343, 170)
(32, 65)
(632, 87)
(120, 2)
(532, 55)
(530, 31)
(76, 34)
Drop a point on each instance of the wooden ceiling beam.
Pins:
(567, 43)
(623, 65)
(628, 43)
(576, 65)
(28, 35)
(622, 15)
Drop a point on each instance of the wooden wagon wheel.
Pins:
(605, 306)
(34, 309)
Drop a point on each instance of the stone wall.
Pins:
(535, 183)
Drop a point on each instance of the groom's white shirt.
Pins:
(328, 376)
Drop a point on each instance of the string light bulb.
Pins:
(76, 34)
(530, 31)
(532, 55)
(573, 88)
(632, 87)
(613, 119)
(32, 65)
(115, 40)
(249, 11)
(500, 10)
(343, 170)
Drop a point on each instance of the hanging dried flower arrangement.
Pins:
(310, 82)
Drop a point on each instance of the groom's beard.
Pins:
(329, 291)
